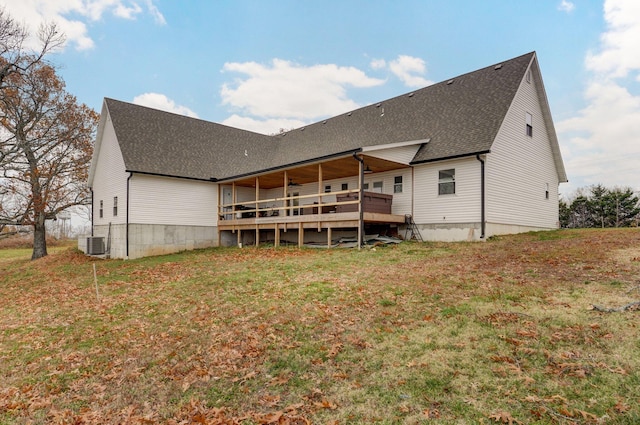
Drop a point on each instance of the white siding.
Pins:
(110, 179)
(402, 155)
(172, 201)
(519, 167)
(462, 207)
(401, 201)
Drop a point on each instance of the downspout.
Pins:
(482, 200)
(360, 198)
(127, 223)
(91, 215)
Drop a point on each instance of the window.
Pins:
(447, 182)
(529, 124)
(377, 187)
(546, 192)
(345, 186)
(101, 209)
(327, 189)
(115, 206)
(365, 186)
(397, 184)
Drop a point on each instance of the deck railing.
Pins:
(253, 208)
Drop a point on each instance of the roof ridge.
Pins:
(178, 115)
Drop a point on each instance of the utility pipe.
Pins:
(482, 198)
(127, 224)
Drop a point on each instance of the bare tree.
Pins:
(15, 57)
(47, 146)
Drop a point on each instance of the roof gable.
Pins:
(548, 121)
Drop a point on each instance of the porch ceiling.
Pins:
(333, 169)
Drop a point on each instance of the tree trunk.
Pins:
(39, 238)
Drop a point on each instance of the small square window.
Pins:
(327, 189)
(447, 182)
(365, 186)
(397, 184)
(377, 187)
(115, 206)
(546, 192)
(345, 186)
(529, 119)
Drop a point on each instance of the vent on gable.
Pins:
(498, 66)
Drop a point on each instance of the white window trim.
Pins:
(397, 184)
(442, 181)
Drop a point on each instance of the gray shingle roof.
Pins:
(461, 116)
(163, 143)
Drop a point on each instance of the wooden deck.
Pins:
(308, 221)
(300, 223)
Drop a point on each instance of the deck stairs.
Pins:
(411, 232)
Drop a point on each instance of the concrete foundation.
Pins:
(154, 239)
(157, 239)
(457, 232)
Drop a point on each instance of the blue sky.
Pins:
(266, 65)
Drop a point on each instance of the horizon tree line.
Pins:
(597, 206)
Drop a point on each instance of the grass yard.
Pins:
(435, 333)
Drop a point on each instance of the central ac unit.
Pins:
(95, 245)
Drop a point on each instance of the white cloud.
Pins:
(378, 64)
(410, 70)
(284, 89)
(268, 126)
(155, 12)
(621, 42)
(601, 141)
(162, 102)
(71, 15)
(566, 6)
(125, 12)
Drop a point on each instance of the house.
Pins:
(473, 156)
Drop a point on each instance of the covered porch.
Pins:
(311, 202)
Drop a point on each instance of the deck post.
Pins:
(256, 205)
(300, 235)
(239, 237)
(285, 194)
(328, 237)
(277, 237)
(233, 200)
